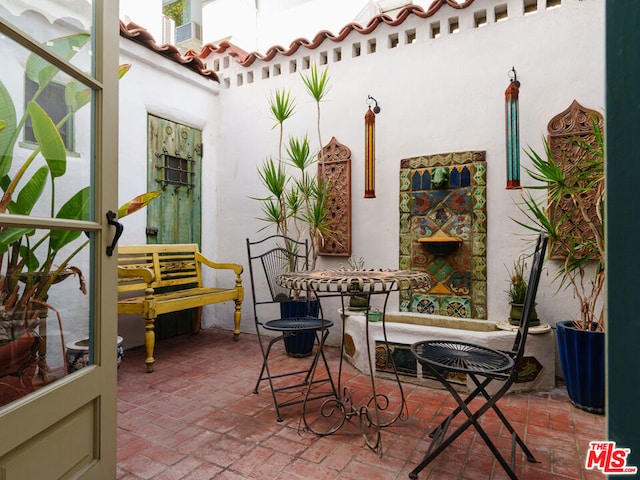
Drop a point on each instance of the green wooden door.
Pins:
(175, 166)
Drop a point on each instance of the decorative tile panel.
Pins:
(405, 202)
(458, 307)
(405, 301)
(479, 244)
(404, 222)
(395, 353)
(405, 183)
(405, 247)
(405, 264)
(458, 286)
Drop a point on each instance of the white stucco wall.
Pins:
(437, 95)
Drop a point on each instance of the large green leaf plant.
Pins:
(297, 203)
(31, 262)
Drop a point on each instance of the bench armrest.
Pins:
(223, 266)
(146, 274)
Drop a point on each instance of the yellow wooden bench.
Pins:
(145, 268)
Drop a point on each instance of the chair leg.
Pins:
(458, 409)
(439, 435)
(265, 368)
(441, 441)
(514, 435)
(309, 377)
(265, 374)
(314, 362)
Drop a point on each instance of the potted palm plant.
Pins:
(31, 262)
(296, 204)
(576, 195)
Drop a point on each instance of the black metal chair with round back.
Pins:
(268, 258)
(483, 366)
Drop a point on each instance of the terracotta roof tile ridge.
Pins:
(323, 35)
(221, 48)
(141, 35)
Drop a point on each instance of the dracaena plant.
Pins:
(297, 200)
(575, 194)
(31, 262)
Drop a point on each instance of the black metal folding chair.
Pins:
(483, 366)
(269, 258)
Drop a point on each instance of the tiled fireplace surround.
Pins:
(458, 286)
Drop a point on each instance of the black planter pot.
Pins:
(582, 359)
(299, 344)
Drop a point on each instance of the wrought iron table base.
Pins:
(338, 410)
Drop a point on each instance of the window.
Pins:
(52, 101)
(176, 171)
(177, 10)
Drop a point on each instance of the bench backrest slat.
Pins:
(172, 264)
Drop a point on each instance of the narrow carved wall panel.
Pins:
(334, 169)
(565, 129)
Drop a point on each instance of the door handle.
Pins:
(111, 218)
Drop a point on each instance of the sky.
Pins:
(279, 22)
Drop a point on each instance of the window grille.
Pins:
(174, 170)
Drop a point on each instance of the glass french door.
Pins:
(58, 180)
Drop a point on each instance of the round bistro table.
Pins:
(374, 410)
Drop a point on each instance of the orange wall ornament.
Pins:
(370, 148)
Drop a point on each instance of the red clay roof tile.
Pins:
(190, 59)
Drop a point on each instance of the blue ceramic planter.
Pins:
(582, 359)
(77, 354)
(299, 344)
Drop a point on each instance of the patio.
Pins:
(196, 417)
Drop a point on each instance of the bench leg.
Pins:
(197, 321)
(236, 319)
(149, 342)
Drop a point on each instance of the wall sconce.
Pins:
(370, 148)
(512, 130)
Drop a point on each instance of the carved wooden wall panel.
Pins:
(335, 169)
(576, 122)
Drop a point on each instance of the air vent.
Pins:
(189, 35)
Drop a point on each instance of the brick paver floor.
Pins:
(196, 417)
